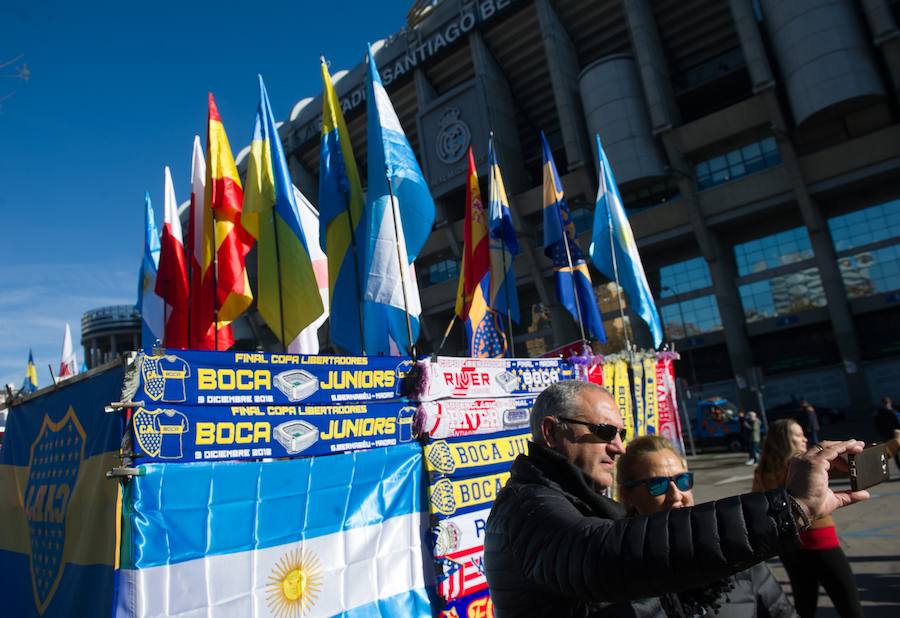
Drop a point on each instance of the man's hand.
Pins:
(807, 478)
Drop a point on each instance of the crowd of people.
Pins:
(558, 544)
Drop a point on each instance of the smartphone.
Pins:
(869, 467)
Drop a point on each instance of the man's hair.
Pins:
(558, 399)
(636, 449)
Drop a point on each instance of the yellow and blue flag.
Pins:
(612, 235)
(504, 247)
(341, 208)
(573, 279)
(401, 225)
(30, 384)
(484, 326)
(288, 295)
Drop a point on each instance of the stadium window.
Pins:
(683, 277)
(737, 163)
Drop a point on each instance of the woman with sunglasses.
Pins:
(821, 560)
(653, 477)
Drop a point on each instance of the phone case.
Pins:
(868, 468)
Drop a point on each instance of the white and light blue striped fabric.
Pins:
(390, 156)
(340, 535)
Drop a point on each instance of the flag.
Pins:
(341, 209)
(504, 297)
(391, 226)
(288, 295)
(30, 384)
(149, 303)
(610, 215)
(224, 282)
(573, 279)
(319, 536)
(484, 326)
(476, 260)
(307, 342)
(68, 364)
(198, 221)
(171, 280)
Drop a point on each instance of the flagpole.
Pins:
(403, 267)
(572, 270)
(447, 333)
(615, 264)
(356, 274)
(278, 269)
(512, 345)
(215, 291)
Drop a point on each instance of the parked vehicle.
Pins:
(791, 409)
(715, 423)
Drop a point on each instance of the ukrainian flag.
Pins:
(31, 380)
(504, 247)
(573, 279)
(341, 207)
(288, 295)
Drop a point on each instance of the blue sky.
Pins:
(117, 90)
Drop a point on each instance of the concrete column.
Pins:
(562, 62)
(306, 181)
(886, 36)
(113, 345)
(652, 64)
(425, 92)
(751, 45)
(501, 114)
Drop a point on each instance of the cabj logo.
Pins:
(54, 463)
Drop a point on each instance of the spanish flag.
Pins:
(224, 285)
(289, 298)
(476, 261)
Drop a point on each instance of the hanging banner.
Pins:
(459, 554)
(651, 407)
(637, 370)
(192, 377)
(466, 417)
(456, 457)
(668, 403)
(323, 536)
(451, 377)
(453, 496)
(59, 512)
(476, 605)
(203, 433)
(622, 393)
(608, 370)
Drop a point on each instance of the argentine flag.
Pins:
(403, 224)
(339, 535)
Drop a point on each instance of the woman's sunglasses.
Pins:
(605, 432)
(657, 485)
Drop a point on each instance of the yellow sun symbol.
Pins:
(294, 584)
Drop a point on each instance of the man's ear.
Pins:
(548, 431)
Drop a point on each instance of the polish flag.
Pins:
(171, 278)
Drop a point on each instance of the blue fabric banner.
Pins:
(203, 433)
(59, 514)
(469, 456)
(190, 377)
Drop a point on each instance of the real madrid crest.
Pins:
(453, 137)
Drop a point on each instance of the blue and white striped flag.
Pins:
(339, 535)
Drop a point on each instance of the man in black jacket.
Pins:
(555, 546)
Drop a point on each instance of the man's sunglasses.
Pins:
(658, 485)
(605, 432)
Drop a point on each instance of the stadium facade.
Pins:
(755, 142)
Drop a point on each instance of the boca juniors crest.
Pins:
(54, 463)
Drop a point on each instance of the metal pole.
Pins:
(565, 239)
(403, 266)
(447, 333)
(278, 267)
(612, 250)
(215, 291)
(684, 412)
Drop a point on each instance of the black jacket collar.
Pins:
(545, 466)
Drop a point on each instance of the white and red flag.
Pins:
(68, 365)
(171, 278)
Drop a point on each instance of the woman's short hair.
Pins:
(637, 448)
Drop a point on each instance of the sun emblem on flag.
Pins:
(294, 584)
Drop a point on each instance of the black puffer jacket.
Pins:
(756, 593)
(555, 547)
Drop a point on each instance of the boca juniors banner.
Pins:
(466, 417)
(457, 457)
(58, 512)
(486, 378)
(203, 433)
(189, 377)
(323, 536)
